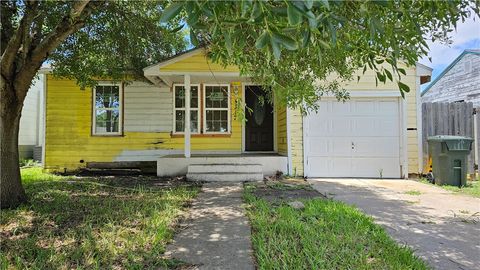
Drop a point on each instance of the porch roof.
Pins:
(194, 63)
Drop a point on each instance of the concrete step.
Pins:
(225, 168)
(225, 176)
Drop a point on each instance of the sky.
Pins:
(467, 36)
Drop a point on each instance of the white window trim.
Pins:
(204, 108)
(180, 109)
(120, 110)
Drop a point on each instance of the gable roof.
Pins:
(170, 60)
(465, 52)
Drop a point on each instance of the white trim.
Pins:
(275, 147)
(289, 144)
(403, 155)
(120, 109)
(403, 138)
(44, 120)
(198, 73)
(204, 109)
(187, 117)
(244, 120)
(370, 93)
(305, 146)
(174, 109)
(419, 126)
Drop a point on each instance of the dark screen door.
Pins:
(259, 125)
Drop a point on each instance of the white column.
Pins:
(187, 115)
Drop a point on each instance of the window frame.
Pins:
(204, 109)
(174, 109)
(120, 110)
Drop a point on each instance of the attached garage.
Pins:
(361, 137)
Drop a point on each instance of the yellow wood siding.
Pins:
(197, 62)
(281, 129)
(296, 134)
(367, 83)
(68, 132)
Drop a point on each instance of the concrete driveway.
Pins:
(443, 228)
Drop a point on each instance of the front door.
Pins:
(259, 116)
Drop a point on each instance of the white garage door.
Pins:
(358, 138)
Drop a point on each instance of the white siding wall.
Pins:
(147, 108)
(32, 116)
(461, 82)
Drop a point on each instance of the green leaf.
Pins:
(228, 42)
(174, 30)
(245, 5)
(389, 74)
(403, 88)
(324, 44)
(171, 11)
(193, 38)
(306, 37)
(308, 4)
(276, 49)
(325, 3)
(401, 70)
(262, 40)
(381, 77)
(383, 3)
(256, 11)
(286, 41)
(294, 15)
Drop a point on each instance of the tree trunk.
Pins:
(11, 190)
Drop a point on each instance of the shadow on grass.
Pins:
(94, 223)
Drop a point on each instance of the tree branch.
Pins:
(69, 24)
(15, 41)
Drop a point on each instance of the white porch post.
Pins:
(187, 115)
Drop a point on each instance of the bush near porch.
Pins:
(326, 234)
(92, 223)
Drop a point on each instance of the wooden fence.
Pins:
(451, 118)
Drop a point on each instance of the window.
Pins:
(107, 109)
(217, 109)
(179, 109)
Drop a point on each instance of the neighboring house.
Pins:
(374, 134)
(459, 82)
(31, 123)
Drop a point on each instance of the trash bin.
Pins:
(449, 159)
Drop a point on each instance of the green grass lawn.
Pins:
(325, 235)
(90, 223)
(472, 188)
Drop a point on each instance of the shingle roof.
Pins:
(468, 51)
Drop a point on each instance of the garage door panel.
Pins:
(358, 138)
(339, 108)
(329, 147)
(375, 167)
(388, 108)
(384, 147)
(339, 167)
(366, 107)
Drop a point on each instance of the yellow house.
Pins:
(187, 121)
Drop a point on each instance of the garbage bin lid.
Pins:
(445, 138)
(454, 143)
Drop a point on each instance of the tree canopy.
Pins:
(82, 40)
(296, 46)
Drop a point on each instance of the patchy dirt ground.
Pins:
(277, 192)
(133, 180)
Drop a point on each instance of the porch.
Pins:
(223, 167)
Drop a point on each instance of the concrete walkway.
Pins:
(217, 233)
(443, 228)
